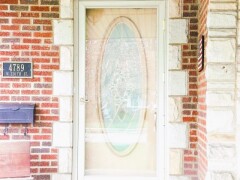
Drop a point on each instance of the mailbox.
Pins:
(16, 113)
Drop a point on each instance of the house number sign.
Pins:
(17, 70)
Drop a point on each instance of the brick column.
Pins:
(202, 86)
(182, 91)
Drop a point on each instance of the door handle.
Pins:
(83, 100)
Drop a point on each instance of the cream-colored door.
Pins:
(121, 91)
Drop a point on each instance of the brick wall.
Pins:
(26, 35)
(189, 59)
(202, 85)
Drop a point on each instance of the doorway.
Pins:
(121, 90)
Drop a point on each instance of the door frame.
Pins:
(79, 86)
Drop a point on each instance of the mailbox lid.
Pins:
(16, 106)
(16, 113)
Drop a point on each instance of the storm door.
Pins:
(121, 100)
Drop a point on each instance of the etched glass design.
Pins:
(121, 90)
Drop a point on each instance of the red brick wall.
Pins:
(26, 35)
(202, 86)
(189, 60)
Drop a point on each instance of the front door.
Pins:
(121, 92)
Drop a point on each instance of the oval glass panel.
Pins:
(122, 87)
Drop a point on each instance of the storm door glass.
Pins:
(120, 134)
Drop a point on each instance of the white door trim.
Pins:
(79, 90)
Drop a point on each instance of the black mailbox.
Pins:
(16, 113)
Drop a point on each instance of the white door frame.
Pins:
(79, 87)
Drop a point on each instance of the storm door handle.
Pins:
(84, 100)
